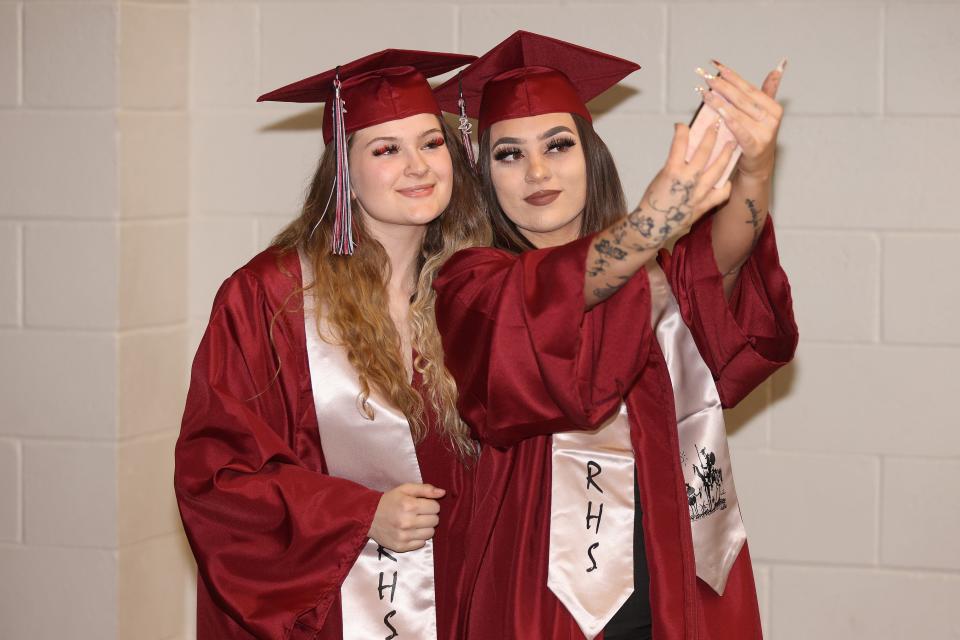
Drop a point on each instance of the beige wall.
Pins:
(136, 172)
(93, 317)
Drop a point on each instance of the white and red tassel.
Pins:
(466, 127)
(343, 222)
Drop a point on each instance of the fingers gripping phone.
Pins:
(705, 117)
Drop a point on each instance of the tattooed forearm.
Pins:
(623, 248)
(675, 213)
(756, 222)
(608, 289)
(605, 247)
(598, 267)
(641, 223)
(754, 217)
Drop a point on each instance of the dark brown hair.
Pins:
(605, 200)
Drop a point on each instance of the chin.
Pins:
(547, 219)
(423, 213)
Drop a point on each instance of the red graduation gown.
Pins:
(530, 362)
(272, 533)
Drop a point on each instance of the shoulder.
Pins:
(276, 271)
(468, 261)
(268, 279)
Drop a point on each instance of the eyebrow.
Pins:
(543, 136)
(395, 139)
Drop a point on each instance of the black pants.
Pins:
(633, 620)
(639, 634)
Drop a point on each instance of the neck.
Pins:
(556, 237)
(402, 244)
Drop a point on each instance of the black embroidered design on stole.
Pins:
(706, 495)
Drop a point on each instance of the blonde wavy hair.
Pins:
(352, 291)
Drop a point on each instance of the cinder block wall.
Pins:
(93, 317)
(846, 461)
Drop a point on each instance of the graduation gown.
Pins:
(273, 534)
(529, 362)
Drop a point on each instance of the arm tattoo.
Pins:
(605, 247)
(639, 232)
(599, 265)
(755, 222)
(754, 218)
(608, 289)
(619, 232)
(676, 213)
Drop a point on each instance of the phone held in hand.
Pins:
(705, 117)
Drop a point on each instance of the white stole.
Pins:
(386, 594)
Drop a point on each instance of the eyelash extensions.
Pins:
(561, 144)
(393, 148)
(506, 152)
(555, 144)
(387, 148)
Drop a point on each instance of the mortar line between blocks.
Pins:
(21, 276)
(664, 85)
(881, 274)
(878, 536)
(21, 10)
(882, 62)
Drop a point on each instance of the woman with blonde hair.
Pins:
(322, 471)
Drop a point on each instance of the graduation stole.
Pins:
(591, 569)
(718, 532)
(386, 594)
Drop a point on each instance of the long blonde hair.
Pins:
(352, 291)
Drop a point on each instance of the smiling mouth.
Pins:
(542, 198)
(419, 191)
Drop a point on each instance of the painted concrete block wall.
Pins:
(93, 317)
(137, 172)
(843, 459)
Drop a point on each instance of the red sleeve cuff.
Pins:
(364, 507)
(743, 340)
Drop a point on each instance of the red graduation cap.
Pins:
(383, 86)
(529, 75)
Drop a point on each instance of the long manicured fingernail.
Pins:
(716, 62)
(703, 74)
(782, 65)
(699, 90)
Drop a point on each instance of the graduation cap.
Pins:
(383, 86)
(529, 75)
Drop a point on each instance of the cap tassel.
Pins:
(343, 222)
(466, 127)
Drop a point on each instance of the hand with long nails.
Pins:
(753, 115)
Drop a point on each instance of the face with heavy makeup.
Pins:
(401, 171)
(539, 173)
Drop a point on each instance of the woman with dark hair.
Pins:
(322, 469)
(594, 364)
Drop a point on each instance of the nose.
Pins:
(537, 170)
(416, 165)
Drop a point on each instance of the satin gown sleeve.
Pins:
(527, 358)
(746, 338)
(273, 536)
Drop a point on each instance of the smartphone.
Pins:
(705, 117)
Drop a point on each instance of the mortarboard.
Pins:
(383, 86)
(528, 75)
